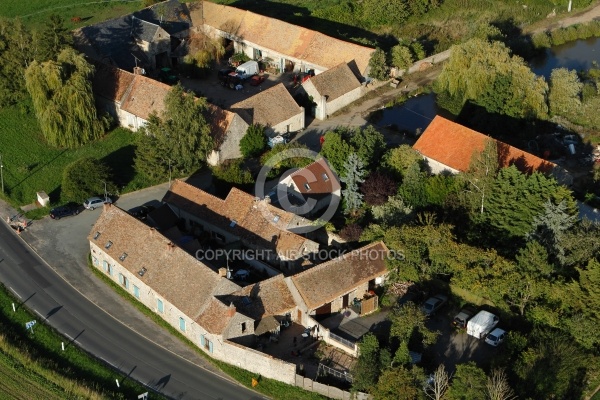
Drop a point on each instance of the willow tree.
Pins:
(62, 97)
(487, 74)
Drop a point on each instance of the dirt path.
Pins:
(581, 17)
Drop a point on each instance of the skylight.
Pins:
(276, 218)
(108, 245)
(307, 186)
(142, 271)
(123, 257)
(233, 223)
(325, 177)
(96, 235)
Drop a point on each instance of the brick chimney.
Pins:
(170, 246)
(231, 310)
(106, 206)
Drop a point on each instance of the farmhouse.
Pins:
(332, 90)
(289, 47)
(274, 108)
(448, 146)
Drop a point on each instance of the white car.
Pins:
(495, 337)
(434, 303)
(95, 202)
(277, 140)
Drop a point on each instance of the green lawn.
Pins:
(35, 12)
(34, 366)
(31, 166)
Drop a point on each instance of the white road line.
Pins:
(15, 292)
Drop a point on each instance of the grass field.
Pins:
(34, 366)
(35, 12)
(31, 166)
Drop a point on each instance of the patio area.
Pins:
(350, 325)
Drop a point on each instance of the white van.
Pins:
(481, 324)
(247, 69)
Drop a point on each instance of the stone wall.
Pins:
(329, 391)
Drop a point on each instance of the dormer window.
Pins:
(108, 244)
(123, 257)
(307, 186)
(233, 223)
(96, 235)
(142, 271)
(325, 177)
(276, 218)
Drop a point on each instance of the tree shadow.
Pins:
(121, 165)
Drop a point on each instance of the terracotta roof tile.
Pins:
(269, 297)
(454, 146)
(219, 120)
(335, 82)
(269, 107)
(145, 96)
(110, 82)
(256, 222)
(170, 272)
(332, 279)
(282, 37)
(318, 176)
(215, 317)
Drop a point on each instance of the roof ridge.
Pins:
(318, 161)
(195, 188)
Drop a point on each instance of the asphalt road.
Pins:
(55, 301)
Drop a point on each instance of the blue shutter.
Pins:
(202, 340)
(136, 291)
(210, 346)
(182, 324)
(120, 278)
(159, 305)
(105, 265)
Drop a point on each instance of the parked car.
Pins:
(167, 76)
(230, 79)
(141, 212)
(257, 80)
(279, 139)
(65, 211)
(95, 202)
(434, 303)
(241, 274)
(461, 319)
(495, 337)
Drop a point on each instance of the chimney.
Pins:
(222, 272)
(106, 206)
(171, 246)
(138, 71)
(231, 310)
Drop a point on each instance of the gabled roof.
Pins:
(110, 82)
(454, 146)
(242, 215)
(282, 37)
(143, 30)
(266, 298)
(145, 96)
(335, 82)
(170, 15)
(325, 282)
(269, 107)
(172, 273)
(220, 121)
(215, 317)
(316, 179)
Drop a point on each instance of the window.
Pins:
(105, 266)
(182, 324)
(276, 218)
(108, 245)
(123, 257)
(307, 186)
(123, 280)
(207, 344)
(96, 235)
(160, 306)
(325, 177)
(243, 327)
(142, 271)
(95, 261)
(136, 291)
(109, 269)
(233, 223)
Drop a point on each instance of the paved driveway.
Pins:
(63, 244)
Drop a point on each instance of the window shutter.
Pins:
(105, 265)
(120, 278)
(202, 340)
(210, 347)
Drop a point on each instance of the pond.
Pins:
(577, 55)
(413, 116)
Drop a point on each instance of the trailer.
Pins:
(481, 324)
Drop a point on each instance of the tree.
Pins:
(479, 178)
(399, 159)
(565, 92)
(53, 38)
(497, 386)
(84, 178)
(353, 175)
(366, 369)
(549, 228)
(254, 141)
(377, 188)
(351, 233)
(336, 150)
(62, 97)
(400, 383)
(437, 387)
(392, 213)
(179, 140)
(233, 172)
(468, 383)
(17, 51)
(295, 158)
(402, 57)
(408, 326)
(378, 64)
(369, 144)
(486, 73)
(377, 13)
(412, 189)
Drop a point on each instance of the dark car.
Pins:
(167, 76)
(141, 212)
(65, 211)
(229, 78)
(257, 80)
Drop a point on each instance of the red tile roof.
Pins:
(269, 107)
(145, 96)
(326, 282)
(110, 82)
(335, 82)
(318, 176)
(454, 146)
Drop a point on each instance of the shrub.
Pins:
(377, 188)
(254, 141)
(84, 178)
(351, 232)
(233, 172)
